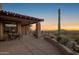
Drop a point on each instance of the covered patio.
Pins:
(18, 24)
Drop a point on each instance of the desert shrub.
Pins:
(75, 37)
(63, 40)
(67, 41)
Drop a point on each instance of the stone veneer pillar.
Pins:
(1, 31)
(38, 29)
(19, 28)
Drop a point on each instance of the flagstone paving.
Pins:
(28, 46)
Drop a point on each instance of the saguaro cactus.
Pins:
(59, 24)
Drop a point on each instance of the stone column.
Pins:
(25, 30)
(19, 28)
(38, 29)
(1, 31)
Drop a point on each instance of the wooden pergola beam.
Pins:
(23, 21)
(15, 15)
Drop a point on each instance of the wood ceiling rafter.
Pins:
(15, 15)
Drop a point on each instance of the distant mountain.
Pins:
(62, 30)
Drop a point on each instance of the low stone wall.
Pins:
(63, 49)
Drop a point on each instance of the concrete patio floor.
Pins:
(28, 46)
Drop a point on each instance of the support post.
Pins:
(1, 31)
(38, 29)
(25, 30)
(19, 29)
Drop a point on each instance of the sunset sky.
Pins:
(69, 14)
